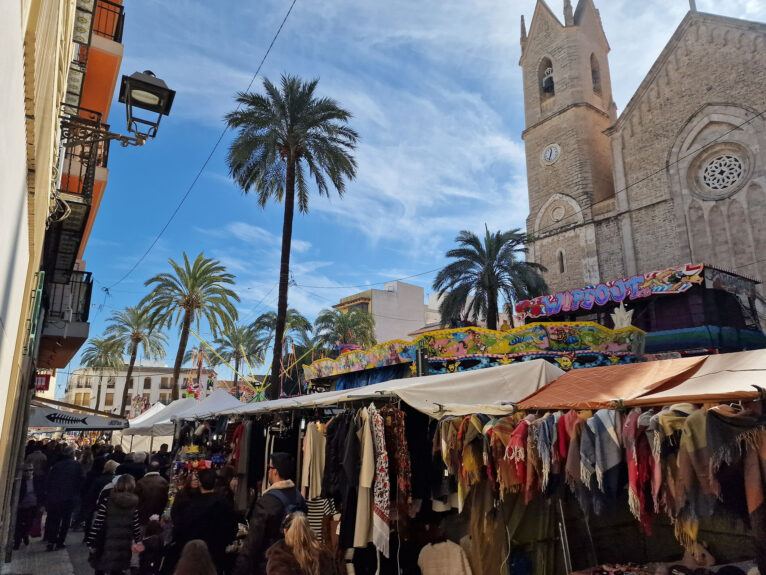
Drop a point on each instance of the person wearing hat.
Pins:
(64, 483)
(27, 509)
(90, 500)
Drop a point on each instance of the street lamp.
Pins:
(141, 91)
(145, 91)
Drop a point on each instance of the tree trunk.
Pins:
(284, 278)
(124, 403)
(236, 374)
(185, 327)
(491, 309)
(98, 390)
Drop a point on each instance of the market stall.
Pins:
(161, 424)
(524, 469)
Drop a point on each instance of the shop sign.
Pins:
(668, 281)
(42, 381)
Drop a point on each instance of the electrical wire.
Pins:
(207, 160)
(370, 284)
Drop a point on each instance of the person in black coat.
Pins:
(269, 511)
(64, 483)
(90, 499)
(211, 518)
(135, 465)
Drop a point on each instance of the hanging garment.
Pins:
(350, 480)
(638, 455)
(507, 477)
(314, 448)
(381, 528)
(400, 469)
(732, 435)
(445, 558)
(533, 462)
(573, 471)
(333, 475)
(363, 524)
(318, 509)
(566, 424)
(546, 446)
(516, 451)
(671, 425)
(698, 489)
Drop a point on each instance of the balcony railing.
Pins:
(108, 20)
(70, 301)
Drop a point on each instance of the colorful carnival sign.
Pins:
(668, 281)
(561, 342)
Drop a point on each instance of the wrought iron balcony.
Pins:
(71, 301)
(108, 20)
(66, 327)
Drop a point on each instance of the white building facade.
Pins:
(150, 381)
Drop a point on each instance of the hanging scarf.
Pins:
(726, 430)
(400, 470)
(671, 425)
(639, 458)
(546, 447)
(573, 469)
(606, 457)
(654, 436)
(472, 460)
(507, 477)
(698, 489)
(534, 465)
(517, 449)
(566, 425)
(381, 528)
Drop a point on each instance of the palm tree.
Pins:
(133, 328)
(487, 270)
(265, 326)
(103, 354)
(191, 292)
(354, 326)
(286, 137)
(237, 343)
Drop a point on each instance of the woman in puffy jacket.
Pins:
(115, 530)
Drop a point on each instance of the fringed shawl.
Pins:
(381, 497)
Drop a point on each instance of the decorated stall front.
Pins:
(687, 310)
(568, 345)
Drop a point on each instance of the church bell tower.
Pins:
(568, 105)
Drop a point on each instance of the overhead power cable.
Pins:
(207, 160)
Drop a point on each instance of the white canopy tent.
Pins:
(492, 391)
(160, 424)
(137, 443)
(215, 403)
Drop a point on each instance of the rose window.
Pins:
(722, 172)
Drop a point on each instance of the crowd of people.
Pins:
(134, 521)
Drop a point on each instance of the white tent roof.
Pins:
(218, 401)
(721, 377)
(160, 423)
(153, 410)
(489, 391)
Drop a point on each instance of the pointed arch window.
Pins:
(545, 79)
(595, 74)
(560, 258)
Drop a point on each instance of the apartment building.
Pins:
(150, 382)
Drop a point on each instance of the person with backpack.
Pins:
(282, 498)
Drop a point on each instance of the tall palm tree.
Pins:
(133, 328)
(103, 354)
(354, 326)
(193, 291)
(237, 343)
(286, 137)
(483, 272)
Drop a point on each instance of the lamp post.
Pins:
(141, 92)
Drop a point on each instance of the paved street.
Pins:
(35, 560)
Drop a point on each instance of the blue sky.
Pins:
(435, 89)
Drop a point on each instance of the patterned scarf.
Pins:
(638, 454)
(400, 470)
(505, 470)
(546, 447)
(516, 451)
(381, 497)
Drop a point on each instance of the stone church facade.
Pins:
(678, 177)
